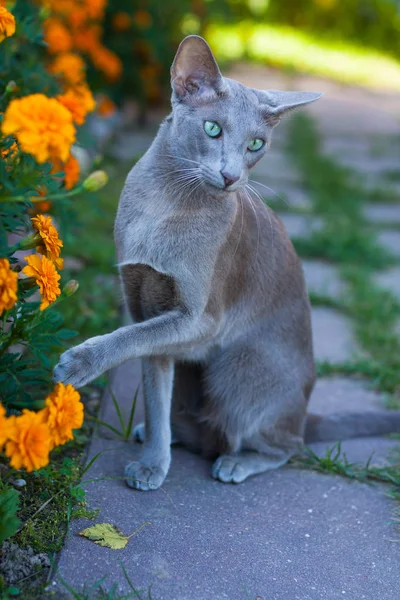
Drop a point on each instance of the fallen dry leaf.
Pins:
(105, 534)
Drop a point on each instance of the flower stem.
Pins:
(73, 192)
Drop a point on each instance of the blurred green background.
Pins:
(354, 41)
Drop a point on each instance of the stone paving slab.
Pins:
(381, 213)
(276, 166)
(369, 165)
(390, 279)
(284, 535)
(322, 278)
(298, 225)
(390, 240)
(343, 394)
(332, 335)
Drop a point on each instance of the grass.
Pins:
(335, 462)
(349, 241)
(286, 47)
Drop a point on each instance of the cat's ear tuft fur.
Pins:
(195, 76)
(276, 103)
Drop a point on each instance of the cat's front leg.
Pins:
(150, 472)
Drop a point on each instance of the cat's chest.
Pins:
(168, 243)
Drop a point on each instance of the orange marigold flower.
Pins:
(47, 278)
(43, 126)
(95, 8)
(121, 21)
(41, 207)
(57, 36)
(105, 106)
(7, 23)
(78, 17)
(71, 67)
(8, 285)
(29, 441)
(72, 172)
(105, 60)
(61, 7)
(143, 19)
(63, 413)
(79, 101)
(4, 426)
(87, 39)
(51, 244)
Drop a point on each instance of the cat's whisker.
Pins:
(273, 191)
(258, 223)
(183, 158)
(269, 218)
(240, 234)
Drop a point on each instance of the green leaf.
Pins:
(105, 534)
(9, 522)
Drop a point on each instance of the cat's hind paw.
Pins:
(229, 469)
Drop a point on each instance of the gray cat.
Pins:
(216, 291)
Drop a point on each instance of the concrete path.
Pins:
(285, 535)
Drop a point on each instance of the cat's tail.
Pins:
(344, 426)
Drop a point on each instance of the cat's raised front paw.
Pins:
(228, 470)
(81, 364)
(144, 478)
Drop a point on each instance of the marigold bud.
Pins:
(31, 241)
(95, 181)
(11, 87)
(70, 287)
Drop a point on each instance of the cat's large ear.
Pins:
(195, 76)
(275, 103)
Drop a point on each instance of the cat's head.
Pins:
(220, 128)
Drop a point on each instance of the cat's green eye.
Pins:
(212, 129)
(255, 145)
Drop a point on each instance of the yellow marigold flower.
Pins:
(79, 101)
(72, 172)
(43, 126)
(9, 153)
(105, 60)
(4, 426)
(70, 67)
(63, 413)
(29, 441)
(51, 244)
(44, 271)
(8, 286)
(7, 23)
(57, 36)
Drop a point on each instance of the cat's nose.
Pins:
(229, 178)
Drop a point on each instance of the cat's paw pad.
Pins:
(79, 365)
(142, 477)
(228, 469)
(138, 433)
